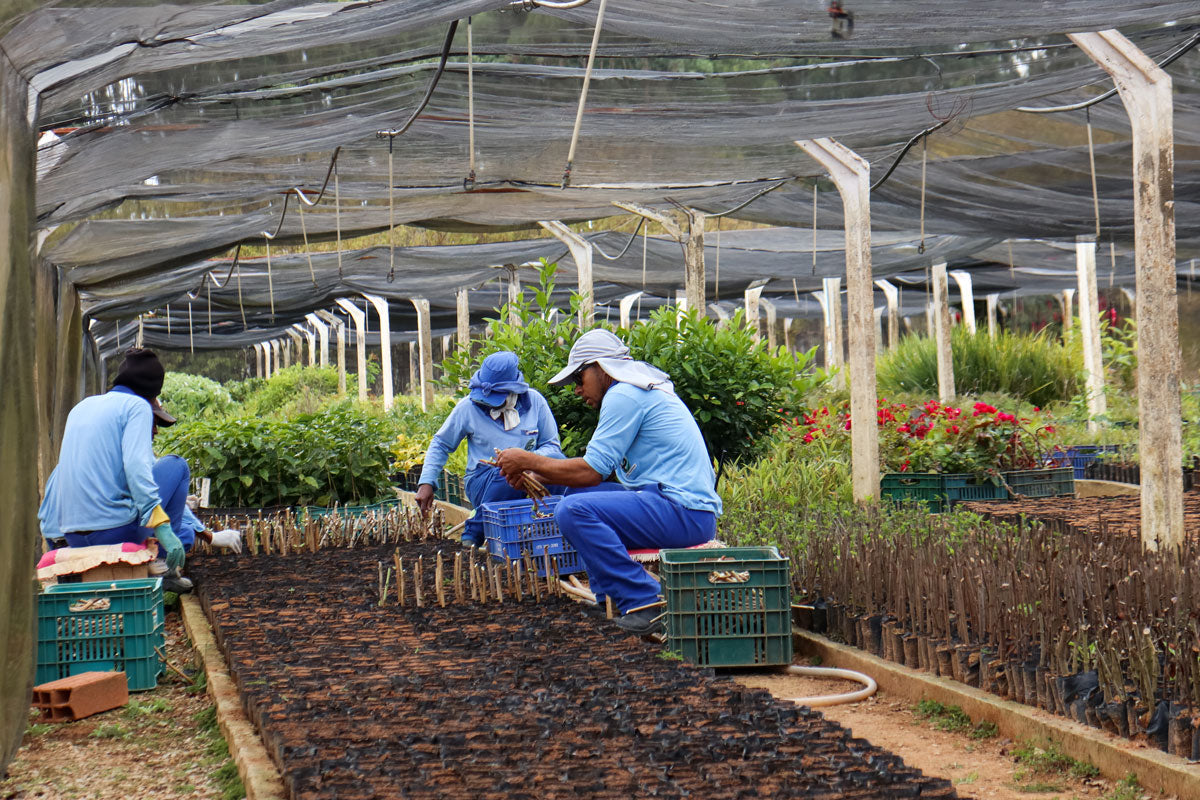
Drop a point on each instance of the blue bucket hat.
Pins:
(497, 377)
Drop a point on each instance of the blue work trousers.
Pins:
(172, 475)
(607, 521)
(487, 485)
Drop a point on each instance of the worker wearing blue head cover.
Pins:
(648, 438)
(500, 412)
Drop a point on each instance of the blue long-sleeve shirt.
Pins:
(537, 431)
(104, 476)
(48, 516)
(648, 436)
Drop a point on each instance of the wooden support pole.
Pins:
(852, 176)
(385, 346)
(941, 333)
(1089, 329)
(1145, 90)
(463, 317)
(359, 317)
(967, 298)
(425, 346)
(581, 253)
(892, 295)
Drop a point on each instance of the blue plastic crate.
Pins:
(511, 530)
(101, 626)
(1079, 456)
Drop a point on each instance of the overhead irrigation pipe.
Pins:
(1180, 51)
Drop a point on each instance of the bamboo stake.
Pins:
(458, 589)
(401, 580)
(437, 578)
(417, 581)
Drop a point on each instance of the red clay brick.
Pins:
(81, 695)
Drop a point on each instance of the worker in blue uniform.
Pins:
(501, 411)
(108, 488)
(666, 495)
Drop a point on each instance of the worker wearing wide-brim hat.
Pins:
(647, 437)
(501, 412)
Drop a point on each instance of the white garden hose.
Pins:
(821, 701)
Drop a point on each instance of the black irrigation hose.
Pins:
(904, 152)
(625, 249)
(433, 82)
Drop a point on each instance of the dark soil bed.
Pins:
(519, 700)
(1101, 515)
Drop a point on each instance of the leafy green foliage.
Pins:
(336, 455)
(1034, 368)
(1051, 760)
(193, 396)
(296, 387)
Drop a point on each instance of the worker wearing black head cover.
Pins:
(105, 489)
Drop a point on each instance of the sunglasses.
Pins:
(577, 378)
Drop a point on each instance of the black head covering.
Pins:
(142, 373)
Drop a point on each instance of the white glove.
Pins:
(193, 501)
(230, 539)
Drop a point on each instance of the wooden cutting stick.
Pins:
(578, 592)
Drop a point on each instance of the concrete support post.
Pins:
(787, 335)
(892, 295)
(963, 279)
(752, 296)
(769, 307)
(359, 318)
(463, 317)
(852, 176)
(322, 335)
(425, 344)
(879, 345)
(258, 359)
(626, 306)
(1089, 329)
(414, 380)
(277, 354)
(993, 302)
(930, 315)
(693, 247)
(295, 347)
(311, 338)
(339, 328)
(581, 253)
(385, 346)
(1145, 90)
(941, 333)
(721, 314)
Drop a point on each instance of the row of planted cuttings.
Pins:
(1094, 628)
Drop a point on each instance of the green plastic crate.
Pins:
(1055, 482)
(101, 626)
(713, 623)
(937, 491)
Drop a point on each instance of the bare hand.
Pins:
(425, 498)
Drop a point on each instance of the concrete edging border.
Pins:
(1115, 758)
(260, 777)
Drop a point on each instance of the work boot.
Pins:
(174, 582)
(642, 623)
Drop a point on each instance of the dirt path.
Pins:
(163, 745)
(981, 768)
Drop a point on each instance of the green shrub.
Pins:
(1033, 368)
(194, 396)
(337, 455)
(733, 385)
(297, 387)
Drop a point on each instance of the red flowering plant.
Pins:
(935, 437)
(982, 440)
